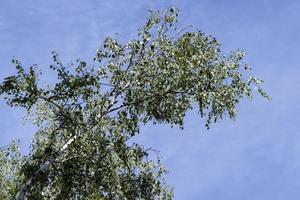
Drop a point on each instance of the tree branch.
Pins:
(149, 97)
(44, 167)
(49, 101)
(180, 31)
(26, 186)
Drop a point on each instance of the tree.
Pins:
(85, 120)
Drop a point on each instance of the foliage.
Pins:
(10, 164)
(85, 119)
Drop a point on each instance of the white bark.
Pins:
(44, 167)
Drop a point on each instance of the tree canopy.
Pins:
(85, 119)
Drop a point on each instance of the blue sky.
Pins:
(255, 157)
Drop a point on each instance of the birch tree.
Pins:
(86, 118)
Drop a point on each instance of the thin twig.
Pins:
(49, 101)
(180, 31)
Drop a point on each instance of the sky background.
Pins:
(256, 156)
